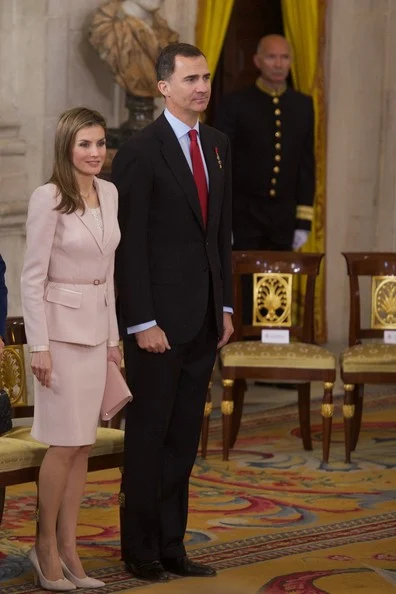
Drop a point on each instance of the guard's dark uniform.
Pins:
(272, 141)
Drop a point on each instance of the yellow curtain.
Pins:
(212, 22)
(304, 22)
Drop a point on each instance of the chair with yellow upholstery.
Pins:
(370, 362)
(20, 454)
(299, 361)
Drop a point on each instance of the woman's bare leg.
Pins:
(69, 511)
(53, 478)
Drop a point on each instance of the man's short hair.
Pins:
(165, 65)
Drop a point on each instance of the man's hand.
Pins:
(114, 354)
(42, 367)
(300, 237)
(153, 340)
(227, 331)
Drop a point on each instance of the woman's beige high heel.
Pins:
(61, 585)
(86, 582)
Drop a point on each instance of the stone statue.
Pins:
(129, 35)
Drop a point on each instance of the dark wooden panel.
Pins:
(250, 20)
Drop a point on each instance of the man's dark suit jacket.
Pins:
(273, 155)
(167, 263)
(3, 297)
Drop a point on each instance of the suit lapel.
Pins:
(216, 180)
(108, 214)
(87, 219)
(176, 161)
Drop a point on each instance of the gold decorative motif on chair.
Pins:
(348, 411)
(227, 407)
(327, 410)
(12, 374)
(208, 409)
(272, 298)
(383, 302)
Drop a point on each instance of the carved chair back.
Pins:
(273, 274)
(381, 268)
(12, 367)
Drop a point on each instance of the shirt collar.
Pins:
(179, 127)
(260, 84)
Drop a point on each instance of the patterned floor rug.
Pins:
(272, 520)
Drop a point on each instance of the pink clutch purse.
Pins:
(116, 394)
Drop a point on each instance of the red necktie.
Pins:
(199, 174)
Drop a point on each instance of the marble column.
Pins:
(13, 149)
(361, 143)
(385, 200)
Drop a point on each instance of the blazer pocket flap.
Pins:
(166, 275)
(65, 297)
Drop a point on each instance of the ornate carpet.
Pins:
(272, 520)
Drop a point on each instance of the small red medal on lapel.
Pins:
(220, 164)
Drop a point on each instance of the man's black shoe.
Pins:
(147, 570)
(185, 567)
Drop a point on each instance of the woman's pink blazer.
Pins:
(67, 278)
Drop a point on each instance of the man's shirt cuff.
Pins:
(141, 327)
(147, 325)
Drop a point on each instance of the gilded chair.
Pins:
(301, 360)
(370, 362)
(20, 454)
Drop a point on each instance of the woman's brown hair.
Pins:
(63, 176)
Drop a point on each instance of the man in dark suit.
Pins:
(173, 273)
(3, 303)
(271, 129)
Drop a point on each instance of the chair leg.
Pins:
(205, 422)
(348, 411)
(227, 407)
(327, 416)
(121, 504)
(2, 502)
(239, 397)
(357, 417)
(304, 413)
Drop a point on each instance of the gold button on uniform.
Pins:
(278, 134)
(277, 158)
(276, 169)
(275, 100)
(278, 146)
(272, 193)
(278, 123)
(277, 112)
(273, 181)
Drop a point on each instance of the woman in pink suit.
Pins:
(70, 321)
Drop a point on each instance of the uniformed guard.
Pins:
(271, 128)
